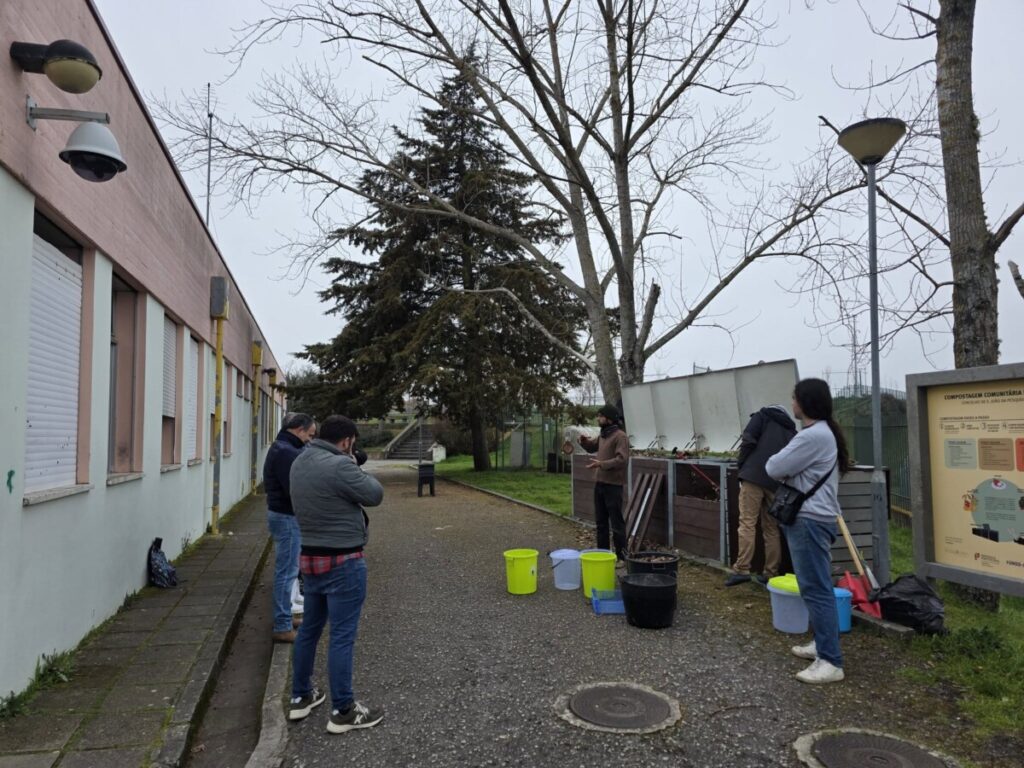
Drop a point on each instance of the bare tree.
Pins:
(1017, 279)
(625, 111)
(962, 233)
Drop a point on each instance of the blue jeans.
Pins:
(284, 529)
(810, 546)
(336, 596)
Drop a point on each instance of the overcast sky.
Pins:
(168, 48)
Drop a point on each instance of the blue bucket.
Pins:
(844, 605)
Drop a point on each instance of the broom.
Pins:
(860, 587)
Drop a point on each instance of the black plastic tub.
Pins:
(649, 599)
(652, 561)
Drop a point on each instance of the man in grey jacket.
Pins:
(329, 490)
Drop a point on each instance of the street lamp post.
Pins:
(868, 142)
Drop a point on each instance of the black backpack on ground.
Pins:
(161, 572)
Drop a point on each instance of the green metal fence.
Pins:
(895, 455)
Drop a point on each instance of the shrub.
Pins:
(455, 439)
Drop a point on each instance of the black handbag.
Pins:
(788, 500)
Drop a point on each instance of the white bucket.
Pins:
(789, 614)
(566, 565)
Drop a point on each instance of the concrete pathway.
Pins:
(469, 674)
(139, 682)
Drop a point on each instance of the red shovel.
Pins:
(860, 586)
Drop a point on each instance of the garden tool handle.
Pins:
(849, 545)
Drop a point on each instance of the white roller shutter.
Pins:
(191, 398)
(170, 400)
(51, 418)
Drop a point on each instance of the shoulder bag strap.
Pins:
(817, 485)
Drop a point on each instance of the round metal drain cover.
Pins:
(872, 750)
(618, 707)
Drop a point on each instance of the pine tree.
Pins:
(413, 325)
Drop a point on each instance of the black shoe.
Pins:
(761, 579)
(737, 578)
(299, 709)
(358, 716)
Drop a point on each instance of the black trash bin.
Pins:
(652, 561)
(649, 599)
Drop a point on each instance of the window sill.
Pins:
(124, 477)
(194, 462)
(52, 494)
(226, 455)
(165, 468)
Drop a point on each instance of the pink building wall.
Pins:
(144, 220)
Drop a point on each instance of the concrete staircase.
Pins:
(408, 448)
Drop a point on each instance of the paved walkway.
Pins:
(140, 680)
(469, 674)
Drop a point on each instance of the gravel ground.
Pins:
(468, 674)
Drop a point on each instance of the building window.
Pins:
(55, 338)
(124, 452)
(193, 397)
(170, 452)
(227, 405)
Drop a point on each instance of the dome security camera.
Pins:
(93, 154)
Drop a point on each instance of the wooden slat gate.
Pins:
(642, 498)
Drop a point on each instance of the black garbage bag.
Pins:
(910, 601)
(161, 572)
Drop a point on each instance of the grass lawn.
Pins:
(982, 656)
(534, 486)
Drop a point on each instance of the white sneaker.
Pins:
(821, 672)
(809, 651)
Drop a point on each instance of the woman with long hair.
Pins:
(818, 451)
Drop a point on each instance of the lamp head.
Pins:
(870, 140)
(69, 65)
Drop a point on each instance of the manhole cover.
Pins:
(872, 750)
(618, 707)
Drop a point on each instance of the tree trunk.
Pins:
(975, 309)
(971, 250)
(478, 432)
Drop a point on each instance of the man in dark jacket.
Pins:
(297, 430)
(768, 432)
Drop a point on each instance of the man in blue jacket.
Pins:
(297, 430)
(768, 432)
(329, 491)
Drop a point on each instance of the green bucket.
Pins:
(521, 571)
(598, 572)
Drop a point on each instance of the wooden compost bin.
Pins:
(699, 513)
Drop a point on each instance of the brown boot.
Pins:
(296, 620)
(285, 637)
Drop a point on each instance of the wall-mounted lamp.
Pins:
(69, 65)
(91, 151)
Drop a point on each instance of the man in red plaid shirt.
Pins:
(329, 490)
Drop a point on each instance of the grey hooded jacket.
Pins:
(328, 491)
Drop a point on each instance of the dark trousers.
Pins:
(608, 512)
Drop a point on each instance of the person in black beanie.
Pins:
(612, 449)
(297, 430)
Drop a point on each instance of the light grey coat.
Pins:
(328, 491)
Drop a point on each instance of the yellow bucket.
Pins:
(521, 571)
(598, 571)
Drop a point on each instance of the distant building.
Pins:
(106, 401)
